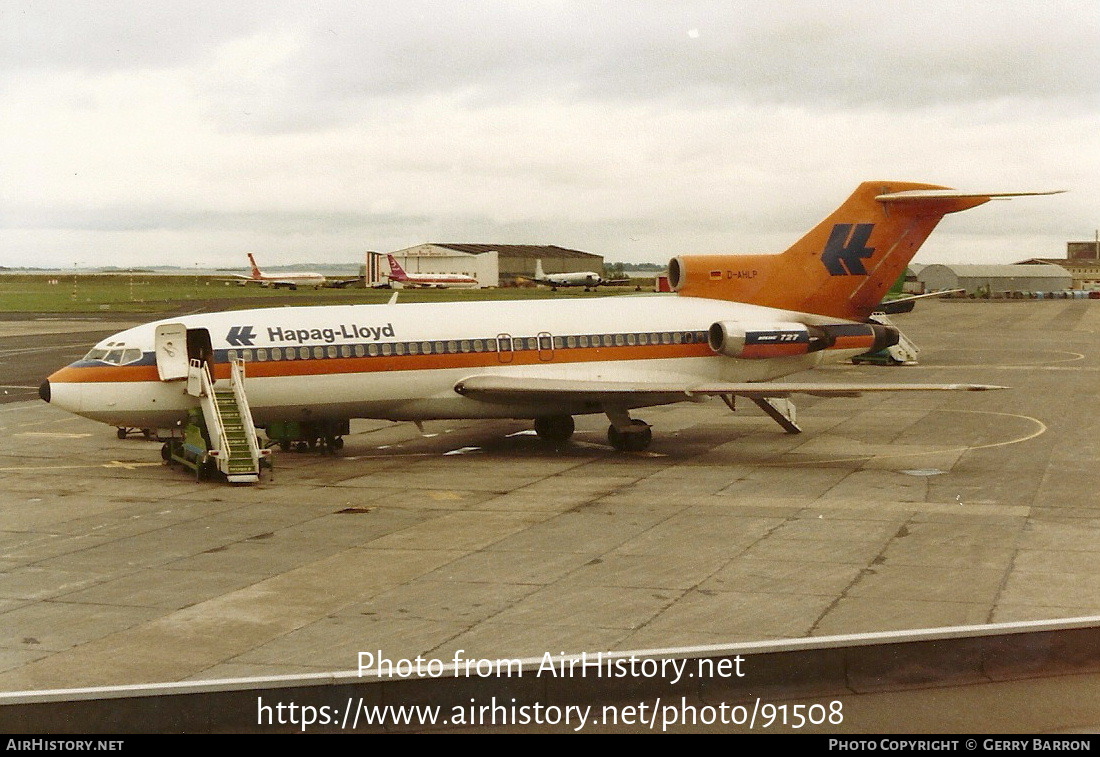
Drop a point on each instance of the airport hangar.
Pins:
(995, 278)
(492, 264)
(1082, 260)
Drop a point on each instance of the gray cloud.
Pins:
(159, 218)
(702, 55)
(118, 35)
(634, 129)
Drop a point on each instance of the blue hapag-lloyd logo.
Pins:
(847, 247)
(240, 336)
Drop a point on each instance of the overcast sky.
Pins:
(161, 133)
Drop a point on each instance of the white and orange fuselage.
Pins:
(403, 361)
(737, 324)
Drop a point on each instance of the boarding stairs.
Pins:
(225, 411)
(905, 352)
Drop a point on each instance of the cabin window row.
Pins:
(541, 343)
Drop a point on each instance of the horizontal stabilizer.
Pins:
(916, 195)
(520, 389)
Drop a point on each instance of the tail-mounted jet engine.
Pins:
(781, 339)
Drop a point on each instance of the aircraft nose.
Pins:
(44, 391)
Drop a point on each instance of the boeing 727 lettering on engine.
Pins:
(725, 334)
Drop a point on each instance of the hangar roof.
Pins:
(531, 251)
(1064, 262)
(994, 271)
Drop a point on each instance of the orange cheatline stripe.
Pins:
(104, 373)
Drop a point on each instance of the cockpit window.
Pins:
(114, 356)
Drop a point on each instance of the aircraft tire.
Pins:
(635, 441)
(121, 433)
(555, 428)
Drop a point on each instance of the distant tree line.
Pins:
(618, 269)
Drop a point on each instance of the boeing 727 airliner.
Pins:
(737, 326)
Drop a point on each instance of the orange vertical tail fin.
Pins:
(845, 265)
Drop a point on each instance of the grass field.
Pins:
(28, 293)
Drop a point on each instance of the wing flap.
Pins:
(516, 389)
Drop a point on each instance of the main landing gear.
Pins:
(633, 439)
(625, 434)
(555, 428)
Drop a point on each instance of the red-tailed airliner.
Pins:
(736, 327)
(289, 280)
(441, 280)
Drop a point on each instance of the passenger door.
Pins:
(171, 349)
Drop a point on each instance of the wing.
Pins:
(520, 389)
(905, 304)
(236, 278)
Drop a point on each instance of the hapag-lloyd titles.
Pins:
(343, 331)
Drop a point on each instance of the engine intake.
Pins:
(761, 341)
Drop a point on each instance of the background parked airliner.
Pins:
(291, 280)
(586, 279)
(738, 324)
(440, 280)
